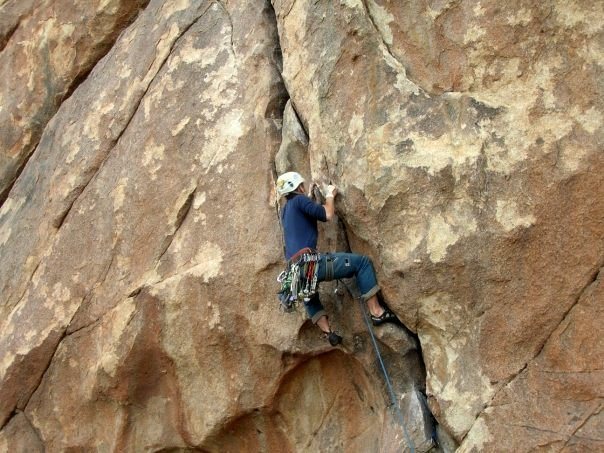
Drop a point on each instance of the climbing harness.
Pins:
(299, 279)
(391, 394)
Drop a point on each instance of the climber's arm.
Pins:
(330, 208)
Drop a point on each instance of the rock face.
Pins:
(47, 48)
(139, 237)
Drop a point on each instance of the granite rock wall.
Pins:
(140, 242)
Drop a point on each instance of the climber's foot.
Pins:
(333, 338)
(386, 317)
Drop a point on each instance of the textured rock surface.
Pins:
(139, 244)
(47, 47)
(556, 401)
(133, 161)
(458, 133)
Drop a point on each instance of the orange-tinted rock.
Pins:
(128, 191)
(556, 402)
(139, 246)
(467, 149)
(45, 51)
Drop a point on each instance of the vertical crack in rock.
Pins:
(181, 216)
(60, 219)
(379, 32)
(346, 243)
(63, 216)
(49, 109)
(278, 61)
(5, 39)
(422, 364)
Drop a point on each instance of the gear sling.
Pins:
(299, 279)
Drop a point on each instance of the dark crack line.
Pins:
(289, 11)
(64, 335)
(325, 417)
(9, 36)
(96, 171)
(103, 316)
(49, 363)
(12, 415)
(94, 323)
(582, 424)
(572, 372)
(108, 43)
(379, 33)
(488, 404)
(273, 158)
(301, 122)
(25, 15)
(77, 81)
(58, 222)
(181, 216)
(38, 122)
(16, 412)
(180, 271)
(585, 288)
(533, 428)
(27, 285)
(90, 292)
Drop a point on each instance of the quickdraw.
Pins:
(299, 280)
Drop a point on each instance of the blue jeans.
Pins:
(333, 266)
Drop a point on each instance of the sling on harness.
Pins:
(299, 279)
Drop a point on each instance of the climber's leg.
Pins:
(333, 266)
(316, 312)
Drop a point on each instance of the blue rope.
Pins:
(393, 399)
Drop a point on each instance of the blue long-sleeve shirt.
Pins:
(299, 218)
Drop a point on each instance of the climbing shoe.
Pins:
(384, 318)
(333, 338)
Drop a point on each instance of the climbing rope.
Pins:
(312, 281)
(391, 393)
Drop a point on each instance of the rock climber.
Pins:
(299, 218)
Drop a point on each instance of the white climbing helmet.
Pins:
(288, 182)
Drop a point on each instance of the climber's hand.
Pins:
(331, 191)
